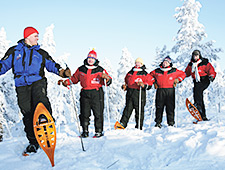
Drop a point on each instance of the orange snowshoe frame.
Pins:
(45, 132)
(118, 126)
(193, 110)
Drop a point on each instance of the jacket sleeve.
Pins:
(75, 78)
(210, 70)
(110, 78)
(6, 61)
(50, 64)
(188, 70)
(181, 75)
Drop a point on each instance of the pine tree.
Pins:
(9, 112)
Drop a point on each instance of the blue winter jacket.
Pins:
(27, 63)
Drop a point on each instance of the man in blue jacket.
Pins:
(28, 61)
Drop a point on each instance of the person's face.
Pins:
(91, 61)
(165, 64)
(138, 64)
(196, 57)
(32, 39)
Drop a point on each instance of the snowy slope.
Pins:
(189, 146)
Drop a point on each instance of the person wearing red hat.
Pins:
(166, 78)
(27, 61)
(202, 72)
(90, 75)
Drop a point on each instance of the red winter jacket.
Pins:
(165, 79)
(90, 77)
(204, 69)
(138, 74)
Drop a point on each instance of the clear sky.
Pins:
(139, 25)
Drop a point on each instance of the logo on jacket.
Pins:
(95, 81)
(171, 78)
(18, 57)
(138, 80)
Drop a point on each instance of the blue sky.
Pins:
(139, 25)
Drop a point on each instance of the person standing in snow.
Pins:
(166, 78)
(202, 73)
(137, 77)
(28, 61)
(91, 77)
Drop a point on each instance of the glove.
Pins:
(64, 83)
(175, 82)
(105, 76)
(124, 87)
(140, 83)
(65, 73)
(211, 78)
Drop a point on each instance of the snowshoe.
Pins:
(98, 135)
(31, 148)
(118, 125)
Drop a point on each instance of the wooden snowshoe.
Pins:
(118, 126)
(193, 110)
(45, 131)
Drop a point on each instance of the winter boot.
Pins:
(84, 134)
(98, 135)
(158, 125)
(118, 125)
(32, 148)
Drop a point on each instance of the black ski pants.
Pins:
(165, 97)
(28, 97)
(92, 100)
(198, 90)
(132, 103)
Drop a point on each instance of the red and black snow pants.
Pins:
(165, 97)
(132, 103)
(28, 97)
(92, 100)
(198, 90)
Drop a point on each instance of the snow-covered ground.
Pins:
(189, 146)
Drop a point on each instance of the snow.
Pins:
(188, 146)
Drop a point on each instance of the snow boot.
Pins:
(118, 125)
(84, 134)
(98, 135)
(158, 125)
(32, 148)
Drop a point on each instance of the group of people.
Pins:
(28, 61)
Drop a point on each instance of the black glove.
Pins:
(211, 78)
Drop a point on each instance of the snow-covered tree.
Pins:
(9, 112)
(188, 38)
(111, 91)
(160, 55)
(125, 64)
(4, 43)
(48, 42)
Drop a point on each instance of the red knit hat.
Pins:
(92, 54)
(28, 31)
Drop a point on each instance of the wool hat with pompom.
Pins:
(28, 31)
(168, 59)
(92, 54)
